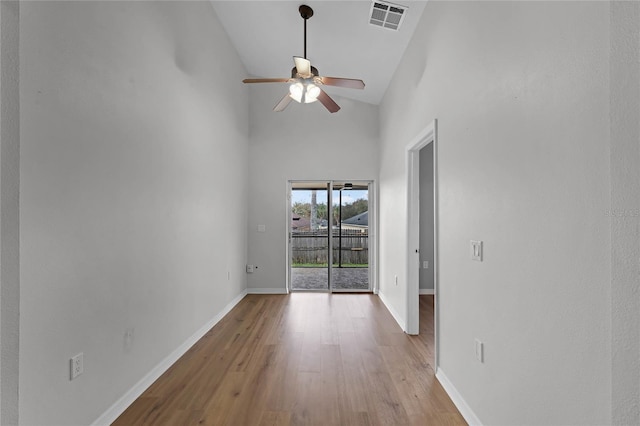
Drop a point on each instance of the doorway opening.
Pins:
(329, 236)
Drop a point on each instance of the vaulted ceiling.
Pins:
(341, 41)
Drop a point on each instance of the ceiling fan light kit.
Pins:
(304, 92)
(305, 81)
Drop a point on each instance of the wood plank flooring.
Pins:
(303, 359)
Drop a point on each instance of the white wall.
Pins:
(134, 145)
(625, 211)
(304, 142)
(9, 213)
(520, 91)
(426, 276)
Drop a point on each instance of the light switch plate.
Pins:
(476, 250)
(479, 350)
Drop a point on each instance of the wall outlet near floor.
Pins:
(479, 350)
(476, 250)
(425, 264)
(250, 269)
(77, 365)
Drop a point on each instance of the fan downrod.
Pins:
(305, 11)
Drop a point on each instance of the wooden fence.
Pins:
(311, 247)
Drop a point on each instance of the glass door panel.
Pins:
(309, 237)
(350, 237)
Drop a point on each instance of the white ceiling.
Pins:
(340, 40)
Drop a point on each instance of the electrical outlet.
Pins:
(250, 269)
(476, 250)
(77, 365)
(479, 350)
(425, 264)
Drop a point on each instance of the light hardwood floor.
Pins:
(303, 359)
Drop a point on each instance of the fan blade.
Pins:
(350, 83)
(328, 102)
(303, 66)
(284, 102)
(266, 80)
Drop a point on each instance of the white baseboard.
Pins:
(128, 398)
(427, 291)
(392, 311)
(457, 399)
(267, 291)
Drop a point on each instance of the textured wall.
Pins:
(9, 213)
(625, 211)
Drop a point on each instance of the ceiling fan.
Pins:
(305, 79)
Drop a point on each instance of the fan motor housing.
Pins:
(314, 72)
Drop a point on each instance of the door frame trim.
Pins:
(428, 135)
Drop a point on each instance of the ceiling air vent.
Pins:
(387, 15)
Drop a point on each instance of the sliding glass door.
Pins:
(350, 266)
(329, 236)
(309, 237)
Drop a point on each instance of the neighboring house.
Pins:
(299, 223)
(358, 222)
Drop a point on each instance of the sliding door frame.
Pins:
(372, 237)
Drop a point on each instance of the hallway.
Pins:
(304, 358)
